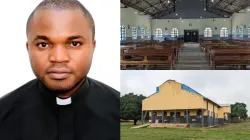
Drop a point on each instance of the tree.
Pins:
(131, 107)
(239, 110)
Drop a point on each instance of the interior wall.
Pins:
(191, 24)
(130, 18)
(242, 19)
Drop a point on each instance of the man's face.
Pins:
(60, 47)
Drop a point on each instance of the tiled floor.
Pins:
(191, 57)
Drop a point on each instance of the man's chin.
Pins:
(61, 86)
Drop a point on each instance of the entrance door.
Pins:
(194, 36)
(187, 36)
(178, 118)
(191, 35)
(154, 116)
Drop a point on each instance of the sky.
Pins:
(222, 87)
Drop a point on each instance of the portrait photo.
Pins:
(60, 74)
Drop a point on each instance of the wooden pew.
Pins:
(176, 48)
(220, 46)
(204, 45)
(204, 42)
(148, 57)
(237, 56)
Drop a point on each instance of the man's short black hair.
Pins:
(63, 5)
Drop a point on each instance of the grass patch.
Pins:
(239, 131)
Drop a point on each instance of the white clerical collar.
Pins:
(60, 101)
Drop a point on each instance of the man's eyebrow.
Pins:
(42, 37)
(75, 37)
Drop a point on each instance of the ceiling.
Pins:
(161, 9)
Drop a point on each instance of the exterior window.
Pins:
(158, 32)
(122, 33)
(134, 33)
(208, 32)
(174, 32)
(224, 32)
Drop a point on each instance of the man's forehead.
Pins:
(59, 14)
(46, 21)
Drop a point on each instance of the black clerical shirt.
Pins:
(32, 112)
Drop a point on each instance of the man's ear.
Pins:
(94, 44)
(27, 46)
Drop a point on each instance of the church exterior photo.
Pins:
(177, 104)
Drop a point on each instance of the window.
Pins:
(134, 33)
(199, 113)
(123, 32)
(165, 113)
(249, 31)
(142, 32)
(157, 89)
(174, 32)
(149, 33)
(224, 32)
(172, 114)
(234, 32)
(241, 32)
(208, 32)
(158, 32)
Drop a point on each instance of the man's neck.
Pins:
(71, 92)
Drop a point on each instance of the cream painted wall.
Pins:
(130, 16)
(241, 19)
(227, 109)
(199, 24)
(171, 97)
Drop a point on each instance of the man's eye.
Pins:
(42, 45)
(75, 44)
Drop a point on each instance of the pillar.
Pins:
(141, 117)
(174, 116)
(151, 116)
(162, 115)
(213, 114)
(187, 117)
(202, 117)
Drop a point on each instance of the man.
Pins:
(62, 103)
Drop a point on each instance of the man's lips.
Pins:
(58, 74)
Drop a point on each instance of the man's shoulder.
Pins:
(13, 96)
(104, 88)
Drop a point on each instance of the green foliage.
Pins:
(239, 110)
(131, 106)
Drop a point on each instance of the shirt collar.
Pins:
(50, 98)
